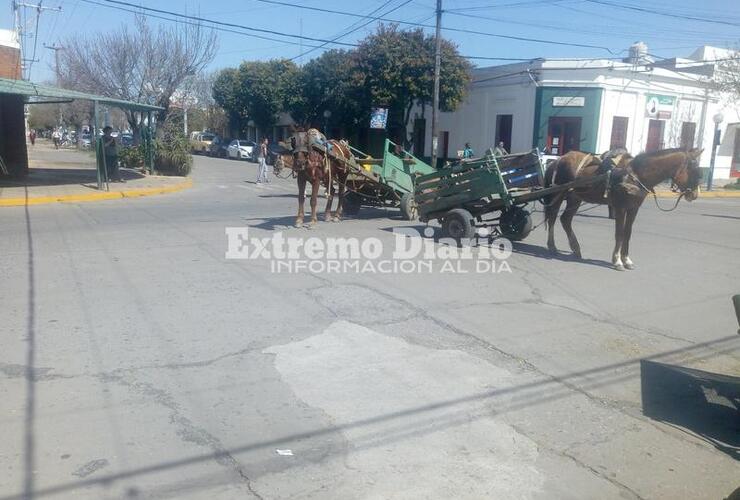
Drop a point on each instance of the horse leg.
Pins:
(340, 196)
(631, 215)
(329, 202)
(620, 217)
(551, 214)
(301, 199)
(315, 186)
(571, 207)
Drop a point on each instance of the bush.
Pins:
(172, 153)
(132, 157)
(734, 185)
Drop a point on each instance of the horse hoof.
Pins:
(577, 255)
(619, 267)
(337, 219)
(629, 266)
(299, 223)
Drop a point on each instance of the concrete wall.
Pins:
(13, 135)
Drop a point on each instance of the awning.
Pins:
(40, 92)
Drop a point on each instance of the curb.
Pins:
(702, 194)
(108, 195)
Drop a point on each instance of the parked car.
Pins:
(85, 141)
(242, 150)
(200, 142)
(126, 140)
(218, 146)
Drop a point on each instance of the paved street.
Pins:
(138, 362)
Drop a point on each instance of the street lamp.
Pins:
(717, 119)
(327, 115)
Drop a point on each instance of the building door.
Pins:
(619, 132)
(688, 131)
(420, 132)
(563, 134)
(503, 130)
(655, 135)
(735, 168)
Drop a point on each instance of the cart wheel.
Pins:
(458, 224)
(408, 207)
(351, 203)
(515, 223)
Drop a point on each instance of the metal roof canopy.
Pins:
(33, 90)
(29, 89)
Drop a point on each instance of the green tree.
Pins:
(395, 68)
(256, 91)
(325, 83)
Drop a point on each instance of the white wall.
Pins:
(475, 120)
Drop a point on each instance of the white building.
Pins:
(594, 105)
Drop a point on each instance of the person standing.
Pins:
(56, 137)
(467, 152)
(32, 137)
(110, 151)
(262, 161)
(500, 150)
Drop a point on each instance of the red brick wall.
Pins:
(10, 64)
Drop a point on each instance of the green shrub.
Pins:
(734, 185)
(172, 153)
(132, 157)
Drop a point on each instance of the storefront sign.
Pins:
(378, 118)
(574, 102)
(659, 106)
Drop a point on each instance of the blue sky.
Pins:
(570, 21)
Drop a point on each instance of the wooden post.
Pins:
(435, 98)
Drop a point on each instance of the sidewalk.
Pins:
(69, 175)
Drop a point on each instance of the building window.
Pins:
(503, 130)
(619, 132)
(655, 135)
(688, 131)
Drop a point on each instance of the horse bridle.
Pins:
(674, 186)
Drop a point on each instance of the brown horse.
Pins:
(624, 189)
(317, 168)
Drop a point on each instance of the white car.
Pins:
(241, 150)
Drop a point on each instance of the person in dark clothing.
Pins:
(110, 151)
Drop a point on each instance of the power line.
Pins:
(217, 23)
(421, 25)
(661, 13)
(352, 27)
(135, 10)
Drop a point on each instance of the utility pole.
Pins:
(20, 31)
(56, 49)
(435, 98)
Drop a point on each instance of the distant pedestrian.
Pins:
(262, 161)
(56, 137)
(32, 137)
(110, 151)
(467, 152)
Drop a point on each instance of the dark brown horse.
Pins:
(317, 168)
(624, 189)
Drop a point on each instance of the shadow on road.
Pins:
(707, 404)
(721, 216)
(438, 415)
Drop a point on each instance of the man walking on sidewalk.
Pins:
(262, 160)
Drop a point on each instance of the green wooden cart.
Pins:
(382, 182)
(490, 191)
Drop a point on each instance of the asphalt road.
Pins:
(138, 362)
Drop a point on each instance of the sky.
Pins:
(602, 24)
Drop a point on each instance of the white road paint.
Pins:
(378, 390)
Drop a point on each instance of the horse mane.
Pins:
(640, 159)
